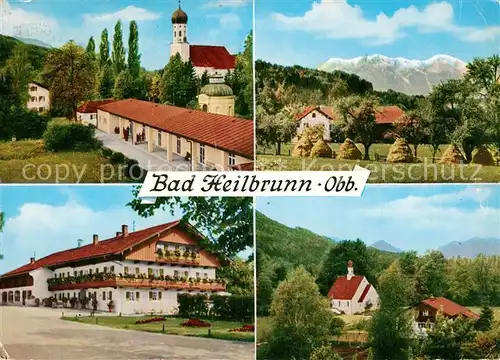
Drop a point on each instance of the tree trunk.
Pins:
(367, 151)
(415, 146)
(278, 148)
(468, 152)
(434, 151)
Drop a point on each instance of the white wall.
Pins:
(353, 306)
(39, 98)
(39, 289)
(87, 118)
(199, 70)
(315, 118)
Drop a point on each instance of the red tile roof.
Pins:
(344, 289)
(450, 308)
(216, 57)
(364, 293)
(110, 246)
(220, 131)
(90, 107)
(385, 115)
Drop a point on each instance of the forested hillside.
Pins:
(35, 54)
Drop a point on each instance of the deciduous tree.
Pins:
(274, 129)
(104, 49)
(178, 85)
(134, 58)
(118, 54)
(70, 74)
(90, 50)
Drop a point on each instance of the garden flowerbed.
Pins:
(196, 323)
(147, 321)
(244, 328)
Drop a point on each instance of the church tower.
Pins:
(217, 97)
(179, 44)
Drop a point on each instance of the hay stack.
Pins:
(483, 157)
(303, 147)
(321, 149)
(349, 151)
(452, 155)
(400, 152)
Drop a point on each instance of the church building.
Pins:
(215, 60)
(352, 294)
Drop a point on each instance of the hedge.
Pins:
(69, 136)
(235, 308)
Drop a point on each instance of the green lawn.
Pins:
(219, 329)
(41, 166)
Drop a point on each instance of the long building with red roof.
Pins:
(215, 60)
(213, 141)
(135, 272)
(352, 294)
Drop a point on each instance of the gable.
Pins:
(344, 289)
(176, 236)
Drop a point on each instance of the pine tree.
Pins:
(104, 49)
(134, 58)
(118, 55)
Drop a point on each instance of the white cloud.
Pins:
(19, 22)
(126, 14)
(227, 3)
(228, 21)
(442, 213)
(338, 19)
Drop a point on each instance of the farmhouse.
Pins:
(352, 294)
(87, 112)
(325, 115)
(38, 97)
(139, 272)
(210, 141)
(212, 59)
(427, 310)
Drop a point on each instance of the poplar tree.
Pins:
(134, 58)
(118, 55)
(104, 49)
(90, 50)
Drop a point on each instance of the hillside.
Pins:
(290, 247)
(412, 77)
(471, 248)
(36, 54)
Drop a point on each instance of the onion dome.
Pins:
(216, 90)
(179, 17)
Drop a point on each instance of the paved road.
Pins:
(39, 334)
(149, 161)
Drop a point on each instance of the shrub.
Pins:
(117, 158)
(196, 323)
(324, 352)
(73, 301)
(192, 305)
(239, 308)
(21, 123)
(70, 136)
(107, 152)
(134, 171)
(244, 328)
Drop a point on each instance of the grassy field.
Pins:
(219, 329)
(496, 311)
(41, 166)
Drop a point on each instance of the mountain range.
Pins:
(471, 248)
(385, 246)
(412, 77)
(30, 41)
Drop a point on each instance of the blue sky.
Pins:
(308, 33)
(410, 217)
(45, 219)
(211, 22)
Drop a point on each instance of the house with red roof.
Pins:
(139, 272)
(87, 112)
(427, 310)
(325, 116)
(352, 294)
(215, 60)
(210, 141)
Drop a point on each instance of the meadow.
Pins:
(423, 171)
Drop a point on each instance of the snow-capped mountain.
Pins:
(412, 77)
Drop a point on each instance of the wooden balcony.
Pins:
(140, 283)
(177, 260)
